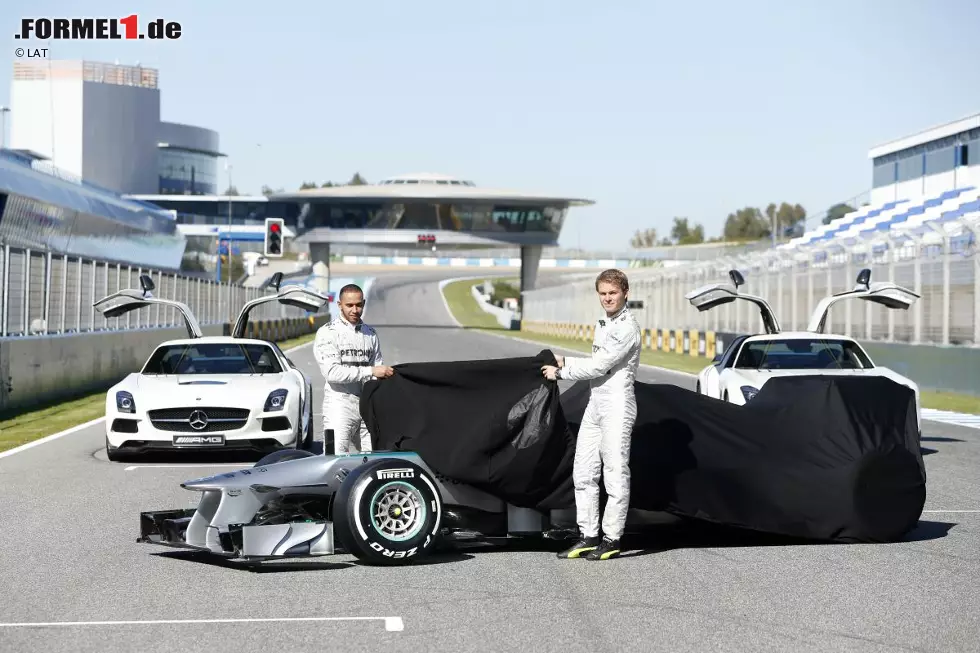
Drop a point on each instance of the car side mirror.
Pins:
(736, 278)
(716, 359)
(864, 278)
(276, 280)
(146, 283)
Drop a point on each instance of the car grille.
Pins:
(178, 420)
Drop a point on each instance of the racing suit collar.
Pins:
(355, 327)
(615, 316)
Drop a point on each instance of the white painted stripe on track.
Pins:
(53, 436)
(951, 512)
(97, 420)
(238, 465)
(392, 624)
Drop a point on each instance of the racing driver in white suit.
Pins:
(349, 354)
(605, 434)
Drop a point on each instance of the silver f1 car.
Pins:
(382, 507)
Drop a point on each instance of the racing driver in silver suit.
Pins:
(349, 354)
(604, 437)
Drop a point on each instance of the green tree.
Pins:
(837, 211)
(746, 224)
(306, 185)
(644, 238)
(231, 190)
(267, 190)
(357, 180)
(683, 234)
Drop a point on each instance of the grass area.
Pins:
(469, 314)
(466, 310)
(54, 418)
(461, 302)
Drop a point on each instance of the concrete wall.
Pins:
(954, 369)
(39, 371)
(504, 317)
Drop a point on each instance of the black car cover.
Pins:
(829, 458)
(495, 424)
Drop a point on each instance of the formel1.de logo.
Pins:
(99, 29)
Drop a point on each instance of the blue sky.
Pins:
(653, 109)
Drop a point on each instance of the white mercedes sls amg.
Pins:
(207, 393)
(737, 374)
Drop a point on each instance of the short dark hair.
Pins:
(351, 287)
(615, 277)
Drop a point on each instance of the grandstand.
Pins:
(920, 230)
(44, 208)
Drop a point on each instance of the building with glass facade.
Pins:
(101, 122)
(928, 163)
(455, 213)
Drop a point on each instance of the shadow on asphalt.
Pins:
(652, 540)
(310, 564)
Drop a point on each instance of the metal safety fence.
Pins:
(946, 274)
(44, 293)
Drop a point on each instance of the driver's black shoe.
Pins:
(580, 548)
(608, 549)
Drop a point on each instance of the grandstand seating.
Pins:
(953, 213)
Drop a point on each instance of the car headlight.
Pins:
(276, 400)
(749, 392)
(125, 402)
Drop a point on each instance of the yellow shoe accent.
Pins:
(608, 554)
(578, 552)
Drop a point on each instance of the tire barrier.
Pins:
(691, 342)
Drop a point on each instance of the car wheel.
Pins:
(387, 512)
(281, 455)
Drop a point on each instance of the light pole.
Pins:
(3, 126)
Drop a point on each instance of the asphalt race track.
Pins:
(68, 559)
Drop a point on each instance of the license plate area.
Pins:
(203, 440)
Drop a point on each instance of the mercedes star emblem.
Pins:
(198, 420)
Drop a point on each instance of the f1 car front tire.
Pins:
(387, 512)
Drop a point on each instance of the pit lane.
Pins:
(68, 521)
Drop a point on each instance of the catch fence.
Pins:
(53, 294)
(943, 268)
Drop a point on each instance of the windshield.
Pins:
(213, 358)
(803, 354)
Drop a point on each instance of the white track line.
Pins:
(238, 465)
(951, 512)
(97, 420)
(51, 437)
(392, 624)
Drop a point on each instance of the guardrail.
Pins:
(48, 294)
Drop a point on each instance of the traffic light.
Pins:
(273, 237)
(426, 239)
